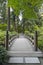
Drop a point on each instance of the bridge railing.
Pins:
(34, 40)
(8, 42)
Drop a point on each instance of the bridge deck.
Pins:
(21, 44)
(23, 47)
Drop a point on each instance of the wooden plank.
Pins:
(25, 53)
(31, 60)
(24, 60)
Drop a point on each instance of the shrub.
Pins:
(40, 44)
(12, 34)
(40, 39)
(36, 28)
(29, 34)
(11, 29)
(3, 26)
(2, 37)
(3, 55)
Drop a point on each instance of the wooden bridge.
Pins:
(22, 48)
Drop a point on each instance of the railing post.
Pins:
(6, 43)
(9, 18)
(36, 41)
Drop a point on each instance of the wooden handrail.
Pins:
(32, 40)
(10, 40)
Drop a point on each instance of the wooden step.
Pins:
(24, 60)
(23, 64)
(25, 53)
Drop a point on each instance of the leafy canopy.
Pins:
(27, 6)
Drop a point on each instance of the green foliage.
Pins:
(3, 26)
(3, 10)
(27, 6)
(40, 39)
(3, 55)
(19, 28)
(11, 28)
(2, 36)
(36, 28)
(40, 36)
(29, 34)
(11, 34)
(40, 43)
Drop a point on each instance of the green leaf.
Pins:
(25, 5)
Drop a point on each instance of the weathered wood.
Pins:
(10, 40)
(29, 38)
(25, 53)
(9, 18)
(36, 41)
(7, 40)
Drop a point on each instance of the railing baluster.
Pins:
(36, 41)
